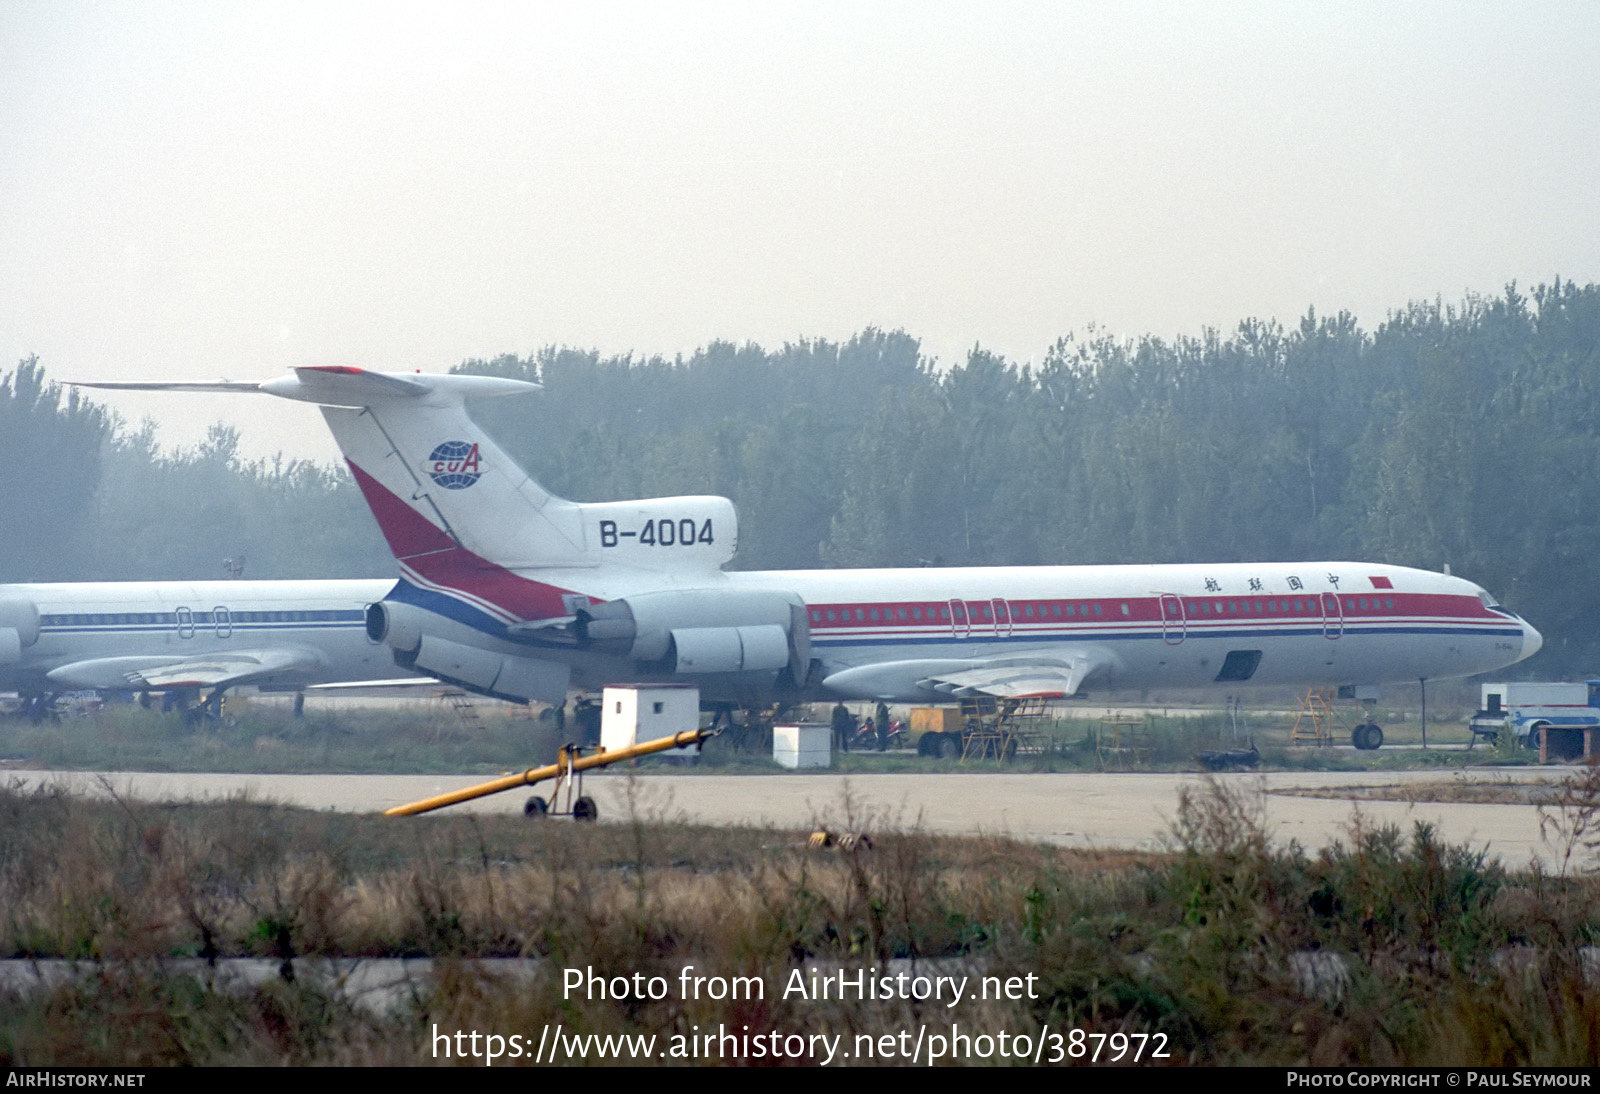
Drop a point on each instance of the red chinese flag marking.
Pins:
(1381, 583)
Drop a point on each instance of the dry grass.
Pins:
(1462, 788)
(1420, 952)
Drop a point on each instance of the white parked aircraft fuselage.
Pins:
(879, 633)
(99, 634)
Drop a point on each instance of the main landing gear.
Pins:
(1368, 737)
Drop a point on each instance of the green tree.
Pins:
(50, 442)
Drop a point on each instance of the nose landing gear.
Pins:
(1317, 720)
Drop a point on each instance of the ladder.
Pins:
(1314, 721)
(460, 702)
(1000, 728)
(1120, 741)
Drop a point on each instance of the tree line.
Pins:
(1464, 435)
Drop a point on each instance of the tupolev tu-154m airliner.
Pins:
(511, 591)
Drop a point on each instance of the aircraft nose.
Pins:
(1532, 640)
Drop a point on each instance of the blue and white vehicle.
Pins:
(1525, 709)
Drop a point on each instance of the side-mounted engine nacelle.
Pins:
(397, 625)
(489, 672)
(703, 630)
(19, 627)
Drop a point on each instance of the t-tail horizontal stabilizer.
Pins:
(452, 503)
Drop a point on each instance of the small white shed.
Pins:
(630, 713)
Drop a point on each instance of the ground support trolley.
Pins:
(567, 771)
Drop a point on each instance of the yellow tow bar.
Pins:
(568, 762)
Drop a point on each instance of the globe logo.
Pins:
(454, 465)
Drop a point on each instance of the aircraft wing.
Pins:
(378, 689)
(155, 672)
(1057, 674)
(1048, 678)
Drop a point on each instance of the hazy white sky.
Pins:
(190, 190)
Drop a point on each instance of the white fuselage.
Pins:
(95, 622)
(877, 633)
(1176, 625)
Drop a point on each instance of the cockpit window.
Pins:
(1488, 601)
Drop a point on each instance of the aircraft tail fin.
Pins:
(456, 508)
(435, 481)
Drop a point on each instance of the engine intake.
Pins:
(397, 625)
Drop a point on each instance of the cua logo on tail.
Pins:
(454, 465)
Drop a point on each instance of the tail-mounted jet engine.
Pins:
(687, 632)
(703, 630)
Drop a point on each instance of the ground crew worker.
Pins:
(844, 726)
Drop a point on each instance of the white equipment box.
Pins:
(804, 744)
(630, 713)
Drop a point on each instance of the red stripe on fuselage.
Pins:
(428, 550)
(1302, 607)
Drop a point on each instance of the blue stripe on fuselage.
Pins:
(459, 611)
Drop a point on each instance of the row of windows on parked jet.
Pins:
(982, 613)
(1234, 607)
(184, 616)
(940, 613)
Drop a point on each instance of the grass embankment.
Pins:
(429, 738)
(423, 738)
(1391, 949)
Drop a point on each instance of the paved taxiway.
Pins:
(1125, 811)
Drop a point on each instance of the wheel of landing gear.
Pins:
(584, 809)
(1367, 737)
(535, 807)
(949, 746)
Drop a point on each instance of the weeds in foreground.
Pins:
(1389, 948)
(1572, 822)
